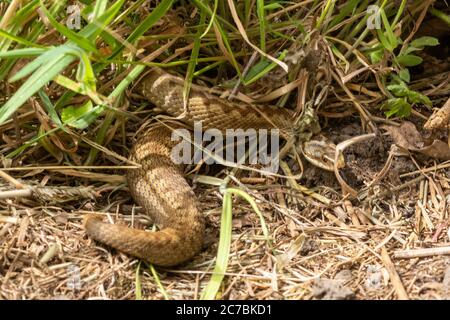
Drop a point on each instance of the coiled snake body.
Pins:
(159, 186)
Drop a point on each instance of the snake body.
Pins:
(159, 186)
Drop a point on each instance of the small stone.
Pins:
(327, 289)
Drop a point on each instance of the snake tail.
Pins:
(160, 188)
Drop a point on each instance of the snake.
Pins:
(159, 185)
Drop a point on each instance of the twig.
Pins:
(11, 180)
(7, 220)
(69, 167)
(418, 253)
(19, 193)
(56, 194)
(395, 278)
(441, 166)
(395, 189)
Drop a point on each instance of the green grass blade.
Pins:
(390, 36)
(261, 69)
(93, 29)
(115, 95)
(47, 57)
(148, 22)
(211, 20)
(328, 8)
(137, 282)
(25, 11)
(72, 36)
(99, 8)
(158, 282)
(255, 208)
(20, 40)
(194, 56)
(151, 19)
(22, 53)
(262, 23)
(344, 12)
(49, 107)
(36, 81)
(85, 72)
(223, 251)
(441, 15)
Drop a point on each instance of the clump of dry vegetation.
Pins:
(371, 75)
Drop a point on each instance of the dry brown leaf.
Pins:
(407, 137)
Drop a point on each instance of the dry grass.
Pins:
(336, 244)
(342, 250)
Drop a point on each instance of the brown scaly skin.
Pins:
(159, 186)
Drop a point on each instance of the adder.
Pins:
(159, 186)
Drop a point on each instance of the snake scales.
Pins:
(159, 186)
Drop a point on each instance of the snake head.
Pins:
(321, 153)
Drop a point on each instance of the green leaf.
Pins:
(376, 56)
(273, 6)
(24, 13)
(80, 117)
(211, 20)
(55, 60)
(417, 97)
(344, 12)
(391, 38)
(424, 41)
(410, 49)
(223, 250)
(261, 68)
(85, 72)
(404, 75)
(397, 106)
(398, 90)
(385, 42)
(224, 35)
(409, 60)
(402, 91)
(99, 8)
(194, 57)
(158, 282)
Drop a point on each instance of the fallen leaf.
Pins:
(407, 137)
